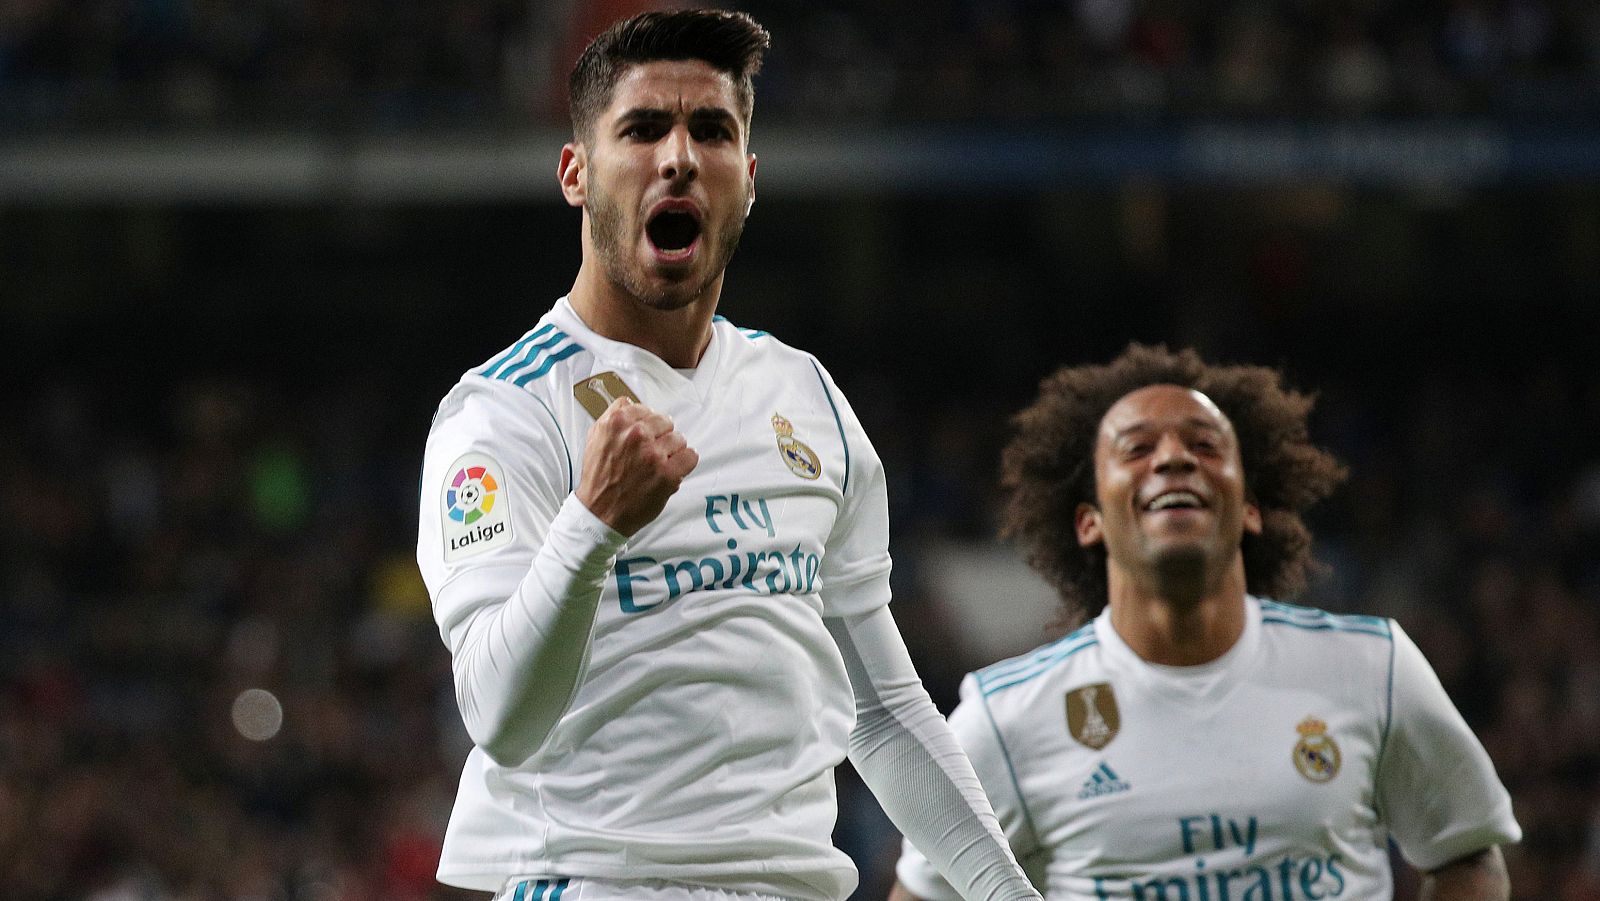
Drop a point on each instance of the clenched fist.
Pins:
(634, 460)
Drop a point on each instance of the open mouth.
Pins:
(673, 231)
(1174, 500)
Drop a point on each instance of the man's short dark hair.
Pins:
(729, 42)
(1048, 468)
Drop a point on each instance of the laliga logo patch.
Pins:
(1316, 755)
(801, 460)
(476, 512)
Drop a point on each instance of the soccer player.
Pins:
(656, 545)
(1196, 741)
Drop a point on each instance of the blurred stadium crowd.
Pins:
(97, 64)
(208, 471)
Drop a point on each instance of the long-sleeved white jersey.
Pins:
(1278, 771)
(671, 706)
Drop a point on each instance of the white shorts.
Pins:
(575, 888)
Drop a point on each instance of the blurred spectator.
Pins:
(430, 64)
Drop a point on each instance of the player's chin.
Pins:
(669, 293)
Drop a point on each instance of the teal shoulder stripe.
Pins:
(1314, 615)
(549, 361)
(1016, 663)
(1045, 666)
(1327, 626)
(838, 421)
(719, 318)
(489, 371)
(531, 354)
(1011, 770)
(753, 333)
(557, 889)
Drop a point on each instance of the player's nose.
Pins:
(1173, 453)
(677, 159)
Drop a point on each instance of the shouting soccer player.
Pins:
(1196, 741)
(657, 547)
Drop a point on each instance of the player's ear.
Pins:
(1088, 525)
(751, 202)
(1252, 519)
(573, 174)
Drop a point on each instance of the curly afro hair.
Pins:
(1048, 468)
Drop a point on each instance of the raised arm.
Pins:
(907, 755)
(518, 628)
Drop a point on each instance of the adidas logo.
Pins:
(1103, 781)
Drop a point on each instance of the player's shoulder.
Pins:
(1012, 684)
(1295, 622)
(523, 376)
(757, 345)
(545, 356)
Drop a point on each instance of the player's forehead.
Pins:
(674, 86)
(1159, 408)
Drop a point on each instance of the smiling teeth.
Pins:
(1174, 499)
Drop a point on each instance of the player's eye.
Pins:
(712, 131)
(643, 131)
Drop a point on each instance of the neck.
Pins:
(1178, 623)
(679, 337)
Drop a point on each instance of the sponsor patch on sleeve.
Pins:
(477, 507)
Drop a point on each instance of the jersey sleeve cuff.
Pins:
(923, 882)
(583, 538)
(1502, 830)
(853, 594)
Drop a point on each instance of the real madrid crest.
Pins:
(1316, 755)
(801, 460)
(1092, 715)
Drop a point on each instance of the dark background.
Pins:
(245, 248)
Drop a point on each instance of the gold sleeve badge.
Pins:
(801, 460)
(1316, 754)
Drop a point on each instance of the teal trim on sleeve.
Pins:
(1388, 704)
(1011, 770)
(839, 421)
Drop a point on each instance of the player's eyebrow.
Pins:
(661, 115)
(1192, 422)
(644, 114)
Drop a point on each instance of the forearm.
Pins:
(518, 662)
(1476, 877)
(906, 754)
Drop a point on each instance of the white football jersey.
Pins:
(1278, 771)
(700, 743)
